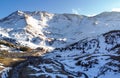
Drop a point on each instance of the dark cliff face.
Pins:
(97, 57)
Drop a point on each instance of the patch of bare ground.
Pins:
(8, 62)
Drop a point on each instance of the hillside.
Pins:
(60, 45)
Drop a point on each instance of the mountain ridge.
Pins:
(45, 27)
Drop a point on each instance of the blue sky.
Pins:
(84, 7)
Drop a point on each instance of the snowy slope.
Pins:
(96, 57)
(82, 47)
(39, 28)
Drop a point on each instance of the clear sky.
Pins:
(84, 7)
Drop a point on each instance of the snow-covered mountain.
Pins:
(39, 29)
(79, 46)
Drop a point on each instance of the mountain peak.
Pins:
(19, 12)
(108, 14)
